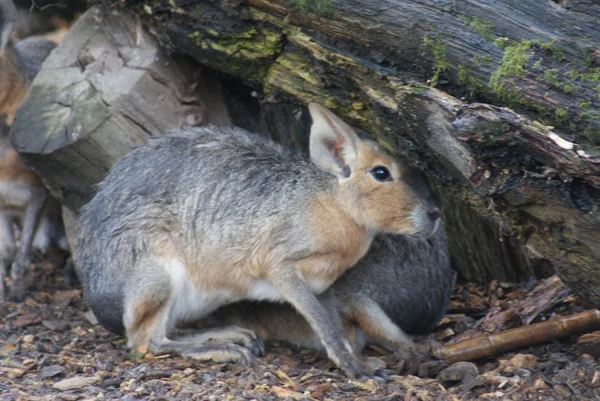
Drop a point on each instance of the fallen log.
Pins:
(537, 189)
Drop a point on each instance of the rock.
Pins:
(431, 368)
(52, 370)
(458, 371)
(89, 315)
(28, 339)
(75, 382)
(56, 325)
(375, 363)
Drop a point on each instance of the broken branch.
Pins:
(510, 340)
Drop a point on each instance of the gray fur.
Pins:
(217, 170)
(409, 278)
(233, 208)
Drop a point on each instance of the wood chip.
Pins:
(518, 361)
(26, 320)
(51, 371)
(285, 393)
(286, 379)
(75, 382)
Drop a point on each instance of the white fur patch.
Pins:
(263, 290)
(316, 284)
(189, 302)
(421, 220)
(41, 239)
(15, 195)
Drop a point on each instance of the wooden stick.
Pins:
(510, 340)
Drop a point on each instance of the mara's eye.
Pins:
(381, 174)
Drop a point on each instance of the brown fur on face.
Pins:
(383, 206)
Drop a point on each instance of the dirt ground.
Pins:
(49, 350)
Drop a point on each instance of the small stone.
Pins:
(431, 369)
(52, 370)
(375, 363)
(458, 371)
(540, 384)
(28, 339)
(56, 325)
(75, 382)
(562, 391)
(470, 382)
(522, 372)
(89, 315)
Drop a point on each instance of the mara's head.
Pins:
(378, 191)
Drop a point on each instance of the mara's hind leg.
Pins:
(148, 323)
(380, 329)
(224, 335)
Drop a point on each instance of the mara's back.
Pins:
(192, 190)
(192, 180)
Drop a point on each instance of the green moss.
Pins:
(255, 49)
(569, 88)
(590, 150)
(512, 66)
(482, 60)
(588, 60)
(319, 8)
(419, 90)
(465, 18)
(483, 28)
(503, 42)
(476, 86)
(537, 65)
(551, 75)
(597, 89)
(584, 104)
(437, 49)
(573, 74)
(551, 47)
(561, 115)
(592, 76)
(592, 115)
(592, 135)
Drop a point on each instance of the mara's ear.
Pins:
(333, 143)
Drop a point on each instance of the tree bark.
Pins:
(105, 90)
(368, 61)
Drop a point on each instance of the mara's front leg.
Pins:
(329, 330)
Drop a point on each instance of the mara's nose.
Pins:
(433, 213)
